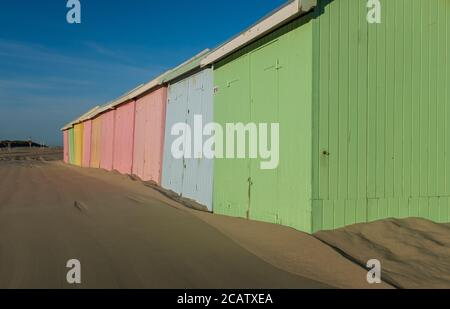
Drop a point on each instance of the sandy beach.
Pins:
(128, 235)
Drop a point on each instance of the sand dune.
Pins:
(129, 235)
(414, 253)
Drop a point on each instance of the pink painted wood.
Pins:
(149, 135)
(87, 138)
(107, 141)
(96, 138)
(66, 146)
(123, 138)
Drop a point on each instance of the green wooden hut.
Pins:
(363, 108)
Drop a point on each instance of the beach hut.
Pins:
(102, 136)
(124, 137)
(87, 139)
(96, 133)
(107, 140)
(71, 146)
(361, 107)
(190, 96)
(149, 134)
(66, 146)
(132, 132)
(69, 142)
(341, 107)
(127, 134)
(78, 143)
(139, 136)
(77, 135)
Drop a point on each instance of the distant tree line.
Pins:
(19, 144)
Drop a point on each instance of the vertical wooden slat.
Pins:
(441, 88)
(353, 110)
(416, 99)
(343, 99)
(324, 106)
(381, 107)
(372, 112)
(334, 100)
(425, 103)
(433, 90)
(407, 100)
(362, 99)
(390, 97)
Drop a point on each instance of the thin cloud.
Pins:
(103, 51)
(46, 83)
(8, 84)
(41, 54)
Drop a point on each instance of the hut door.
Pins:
(192, 165)
(231, 186)
(197, 180)
(265, 64)
(173, 169)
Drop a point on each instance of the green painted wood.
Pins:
(390, 98)
(363, 111)
(362, 86)
(424, 96)
(382, 112)
(343, 99)
(381, 108)
(315, 117)
(333, 11)
(231, 185)
(323, 107)
(269, 81)
(407, 110)
(415, 104)
(352, 112)
(71, 146)
(441, 88)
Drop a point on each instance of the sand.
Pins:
(126, 234)
(294, 252)
(414, 253)
(25, 154)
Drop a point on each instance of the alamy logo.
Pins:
(374, 14)
(190, 143)
(374, 274)
(74, 14)
(74, 274)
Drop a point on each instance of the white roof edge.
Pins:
(80, 119)
(202, 53)
(88, 114)
(132, 94)
(139, 90)
(279, 17)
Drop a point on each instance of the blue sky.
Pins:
(52, 71)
